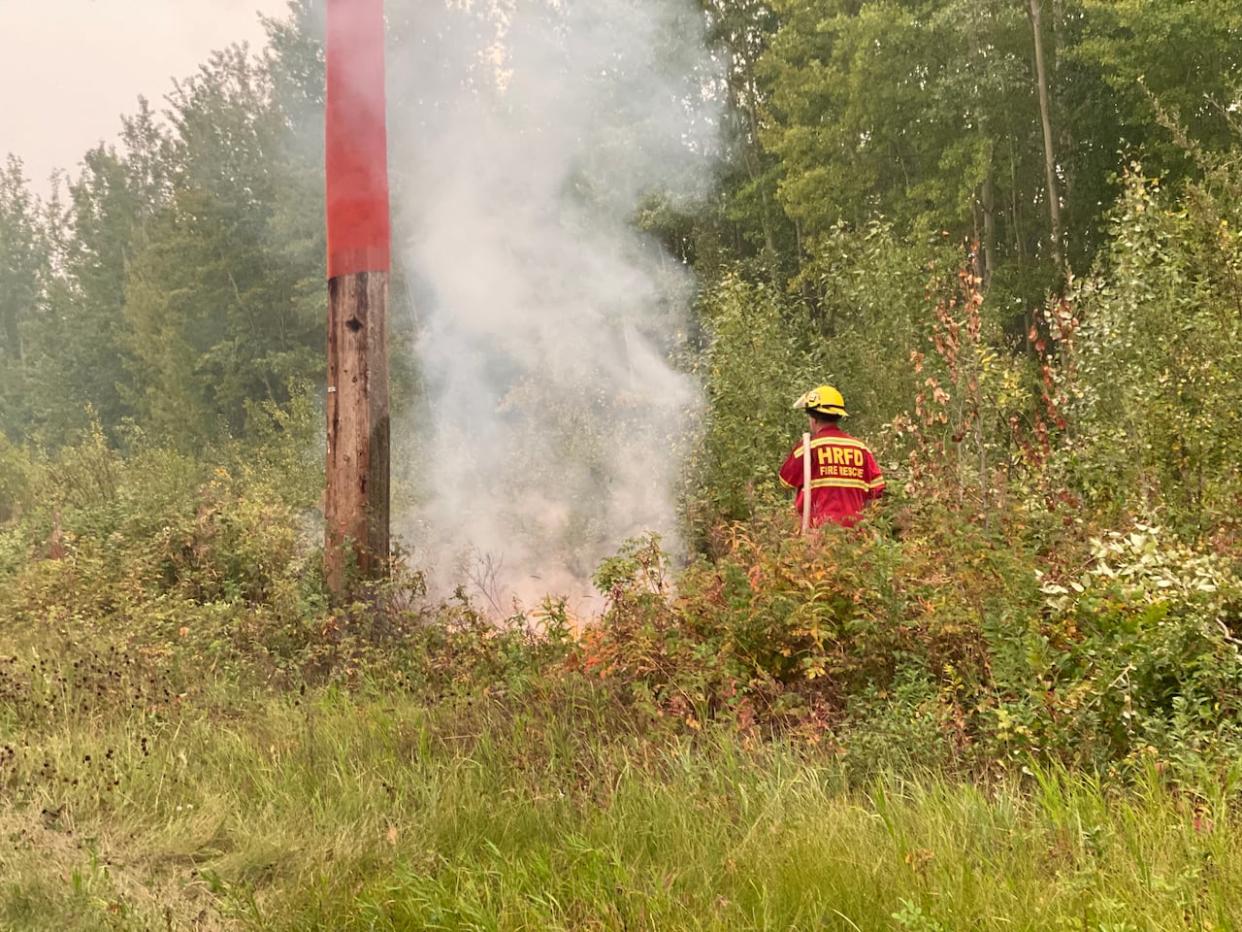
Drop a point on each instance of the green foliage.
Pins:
(25, 259)
(186, 696)
(1152, 377)
(1149, 659)
(1052, 582)
(765, 348)
(941, 646)
(177, 278)
(927, 113)
(200, 566)
(213, 313)
(182, 281)
(15, 481)
(78, 357)
(778, 628)
(1178, 57)
(369, 811)
(872, 289)
(923, 112)
(760, 357)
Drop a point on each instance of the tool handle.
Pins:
(806, 483)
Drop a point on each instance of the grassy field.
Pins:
(340, 811)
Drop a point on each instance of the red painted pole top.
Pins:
(359, 226)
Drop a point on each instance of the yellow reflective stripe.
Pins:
(876, 483)
(785, 481)
(839, 441)
(840, 484)
(833, 442)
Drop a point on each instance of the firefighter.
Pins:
(844, 474)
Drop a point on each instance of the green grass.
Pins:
(347, 812)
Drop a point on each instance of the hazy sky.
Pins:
(70, 68)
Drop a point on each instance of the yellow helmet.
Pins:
(822, 400)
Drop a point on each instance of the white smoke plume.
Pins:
(525, 138)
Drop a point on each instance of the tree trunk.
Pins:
(1045, 113)
(986, 198)
(753, 155)
(976, 238)
(1019, 243)
(989, 224)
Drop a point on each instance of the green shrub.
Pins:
(1152, 377)
(950, 643)
(16, 480)
(793, 630)
(930, 635)
(1146, 656)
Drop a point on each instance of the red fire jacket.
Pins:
(844, 477)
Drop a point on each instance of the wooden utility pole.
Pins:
(359, 262)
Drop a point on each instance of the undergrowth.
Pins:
(378, 812)
(935, 721)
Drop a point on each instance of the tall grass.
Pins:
(340, 811)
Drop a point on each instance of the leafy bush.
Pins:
(759, 358)
(214, 571)
(935, 633)
(946, 644)
(15, 480)
(1152, 377)
(1148, 657)
(793, 630)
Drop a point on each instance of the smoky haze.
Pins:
(70, 68)
(524, 139)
